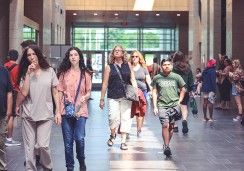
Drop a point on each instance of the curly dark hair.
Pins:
(66, 64)
(24, 62)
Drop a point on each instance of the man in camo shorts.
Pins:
(166, 99)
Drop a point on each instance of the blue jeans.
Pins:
(73, 130)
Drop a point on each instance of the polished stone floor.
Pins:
(207, 147)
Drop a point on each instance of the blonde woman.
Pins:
(119, 108)
(143, 79)
(237, 90)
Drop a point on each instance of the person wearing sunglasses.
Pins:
(143, 80)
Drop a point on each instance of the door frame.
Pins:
(88, 54)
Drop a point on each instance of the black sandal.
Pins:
(123, 146)
(111, 140)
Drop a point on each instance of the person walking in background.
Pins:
(209, 89)
(13, 68)
(143, 82)
(37, 82)
(237, 89)
(166, 99)
(198, 82)
(182, 67)
(74, 87)
(6, 102)
(225, 85)
(27, 43)
(155, 67)
(119, 108)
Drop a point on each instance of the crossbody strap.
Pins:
(77, 91)
(11, 67)
(120, 76)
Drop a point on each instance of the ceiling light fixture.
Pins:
(116, 14)
(137, 14)
(74, 13)
(157, 14)
(178, 15)
(95, 14)
(143, 5)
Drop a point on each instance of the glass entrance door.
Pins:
(95, 62)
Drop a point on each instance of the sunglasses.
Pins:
(135, 56)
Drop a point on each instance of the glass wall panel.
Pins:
(89, 38)
(128, 38)
(162, 39)
(29, 34)
(143, 39)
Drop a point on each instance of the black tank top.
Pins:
(115, 86)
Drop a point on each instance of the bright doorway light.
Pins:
(143, 5)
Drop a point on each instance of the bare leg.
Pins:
(123, 137)
(140, 121)
(165, 133)
(210, 110)
(184, 111)
(10, 126)
(113, 132)
(171, 131)
(239, 104)
(204, 108)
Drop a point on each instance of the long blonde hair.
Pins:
(112, 58)
(141, 58)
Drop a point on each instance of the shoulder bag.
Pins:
(130, 91)
(70, 107)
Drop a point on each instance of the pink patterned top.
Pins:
(68, 84)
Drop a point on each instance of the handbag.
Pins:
(193, 105)
(129, 90)
(70, 107)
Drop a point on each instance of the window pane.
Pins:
(29, 33)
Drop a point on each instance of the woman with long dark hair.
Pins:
(38, 83)
(74, 87)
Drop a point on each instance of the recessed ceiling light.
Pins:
(95, 14)
(116, 14)
(137, 14)
(157, 14)
(74, 13)
(178, 15)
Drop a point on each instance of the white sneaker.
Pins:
(12, 143)
(237, 118)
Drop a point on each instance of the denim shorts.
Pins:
(234, 90)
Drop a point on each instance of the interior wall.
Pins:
(183, 39)
(237, 30)
(33, 9)
(4, 25)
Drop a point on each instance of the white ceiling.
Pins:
(125, 5)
